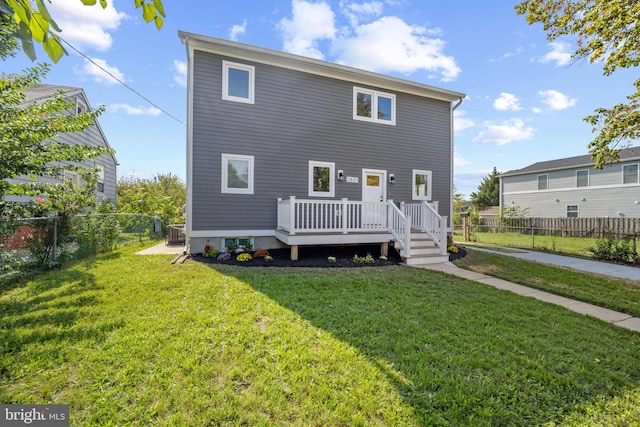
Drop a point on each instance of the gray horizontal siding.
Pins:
(296, 118)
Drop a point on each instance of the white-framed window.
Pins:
(73, 177)
(543, 182)
(374, 106)
(237, 174)
(238, 82)
(582, 178)
(81, 107)
(630, 174)
(421, 184)
(321, 179)
(100, 182)
(233, 243)
(572, 211)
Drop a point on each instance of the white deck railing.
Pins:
(425, 218)
(348, 216)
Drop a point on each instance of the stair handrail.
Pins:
(400, 226)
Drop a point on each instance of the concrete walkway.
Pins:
(620, 319)
(162, 249)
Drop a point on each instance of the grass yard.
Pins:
(616, 294)
(134, 340)
(567, 245)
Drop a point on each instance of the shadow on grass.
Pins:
(459, 352)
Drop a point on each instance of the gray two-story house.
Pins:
(93, 136)
(284, 150)
(572, 188)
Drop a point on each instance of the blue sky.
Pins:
(525, 96)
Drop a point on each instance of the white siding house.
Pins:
(572, 188)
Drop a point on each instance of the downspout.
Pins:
(189, 149)
(452, 160)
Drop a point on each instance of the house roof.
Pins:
(630, 153)
(490, 211)
(314, 66)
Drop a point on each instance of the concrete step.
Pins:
(426, 259)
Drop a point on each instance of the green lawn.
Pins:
(616, 294)
(134, 340)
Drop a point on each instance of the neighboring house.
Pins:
(93, 136)
(571, 188)
(284, 150)
(489, 212)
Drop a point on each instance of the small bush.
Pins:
(261, 253)
(332, 260)
(613, 249)
(268, 258)
(225, 256)
(363, 260)
(244, 257)
(210, 251)
(383, 258)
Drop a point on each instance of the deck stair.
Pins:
(423, 251)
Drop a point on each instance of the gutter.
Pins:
(189, 149)
(451, 157)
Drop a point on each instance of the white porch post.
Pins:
(292, 214)
(345, 216)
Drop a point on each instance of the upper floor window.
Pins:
(543, 182)
(421, 185)
(100, 183)
(81, 107)
(630, 174)
(237, 174)
(238, 82)
(582, 178)
(321, 179)
(373, 106)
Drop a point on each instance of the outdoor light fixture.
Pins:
(392, 179)
(341, 176)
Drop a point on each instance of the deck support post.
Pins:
(294, 252)
(384, 249)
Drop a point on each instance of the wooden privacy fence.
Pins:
(566, 227)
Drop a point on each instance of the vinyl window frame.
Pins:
(543, 178)
(573, 209)
(250, 69)
(375, 101)
(578, 178)
(414, 184)
(225, 174)
(332, 179)
(626, 175)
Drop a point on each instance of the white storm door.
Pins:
(374, 190)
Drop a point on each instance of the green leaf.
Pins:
(53, 48)
(88, 2)
(148, 12)
(159, 8)
(159, 22)
(27, 48)
(39, 27)
(138, 3)
(21, 13)
(45, 14)
(103, 3)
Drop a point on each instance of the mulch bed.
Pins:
(317, 256)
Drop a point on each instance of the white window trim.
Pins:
(225, 82)
(577, 211)
(588, 178)
(374, 106)
(72, 176)
(225, 184)
(100, 176)
(414, 195)
(332, 179)
(538, 182)
(637, 173)
(81, 107)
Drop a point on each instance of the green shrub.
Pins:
(611, 248)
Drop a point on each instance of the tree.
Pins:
(608, 32)
(163, 196)
(36, 24)
(488, 193)
(27, 134)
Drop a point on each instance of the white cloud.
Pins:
(506, 102)
(503, 133)
(355, 12)
(398, 47)
(310, 23)
(460, 122)
(86, 26)
(135, 111)
(556, 100)
(458, 160)
(560, 54)
(180, 75)
(516, 52)
(237, 30)
(99, 71)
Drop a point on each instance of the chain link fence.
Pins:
(33, 245)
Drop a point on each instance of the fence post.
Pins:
(533, 239)
(55, 238)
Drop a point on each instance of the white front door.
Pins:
(374, 186)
